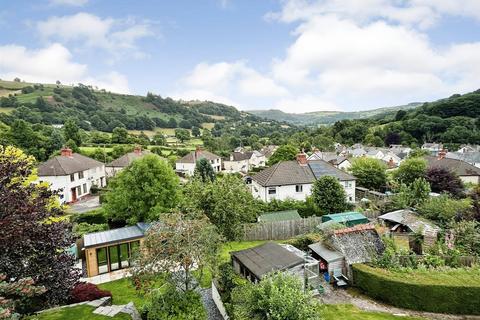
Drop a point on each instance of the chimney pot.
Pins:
(66, 152)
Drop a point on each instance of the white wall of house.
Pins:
(82, 185)
(295, 192)
(112, 171)
(189, 168)
(258, 161)
(470, 179)
(378, 155)
(236, 166)
(344, 165)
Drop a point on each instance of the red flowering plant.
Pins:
(14, 294)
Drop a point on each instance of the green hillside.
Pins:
(328, 117)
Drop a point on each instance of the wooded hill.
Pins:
(328, 117)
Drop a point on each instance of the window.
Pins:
(72, 177)
(102, 260)
(79, 190)
(299, 188)
(272, 190)
(350, 199)
(84, 188)
(80, 175)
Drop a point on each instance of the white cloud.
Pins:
(235, 80)
(53, 63)
(350, 54)
(118, 37)
(74, 3)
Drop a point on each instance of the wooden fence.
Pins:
(279, 230)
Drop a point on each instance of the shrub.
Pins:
(84, 291)
(82, 228)
(91, 217)
(441, 290)
(174, 305)
(304, 240)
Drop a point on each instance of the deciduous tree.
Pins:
(33, 235)
(283, 153)
(204, 170)
(444, 180)
(410, 170)
(329, 196)
(370, 173)
(141, 191)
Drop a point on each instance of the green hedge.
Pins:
(417, 291)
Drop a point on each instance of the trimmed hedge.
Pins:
(424, 295)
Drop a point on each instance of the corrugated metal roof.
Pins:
(279, 216)
(344, 217)
(325, 253)
(411, 220)
(266, 258)
(115, 235)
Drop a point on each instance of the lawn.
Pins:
(123, 292)
(77, 312)
(350, 312)
(6, 110)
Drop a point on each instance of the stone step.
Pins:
(109, 311)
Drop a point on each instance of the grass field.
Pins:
(6, 110)
(208, 125)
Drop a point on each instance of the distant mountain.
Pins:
(328, 117)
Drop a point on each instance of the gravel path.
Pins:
(340, 296)
(212, 311)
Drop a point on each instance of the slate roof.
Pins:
(291, 172)
(65, 165)
(411, 220)
(124, 234)
(127, 159)
(266, 258)
(460, 167)
(326, 253)
(470, 157)
(190, 158)
(279, 216)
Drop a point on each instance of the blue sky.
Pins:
(293, 55)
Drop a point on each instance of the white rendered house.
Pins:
(187, 164)
(294, 179)
(72, 175)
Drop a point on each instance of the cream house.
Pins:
(294, 179)
(72, 175)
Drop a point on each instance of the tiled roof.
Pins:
(285, 173)
(66, 165)
(191, 158)
(460, 167)
(127, 159)
(240, 156)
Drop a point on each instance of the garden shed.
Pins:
(348, 219)
(286, 215)
(329, 259)
(408, 221)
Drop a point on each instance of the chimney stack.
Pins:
(442, 153)
(198, 151)
(66, 152)
(302, 158)
(138, 150)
